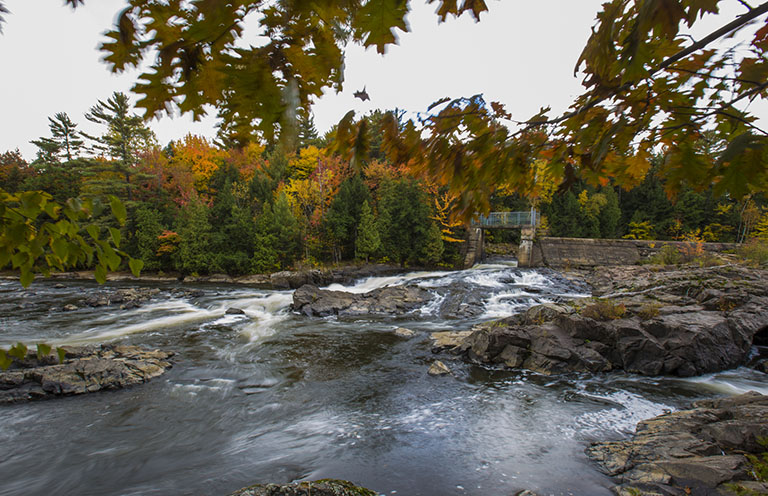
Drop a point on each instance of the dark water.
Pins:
(274, 397)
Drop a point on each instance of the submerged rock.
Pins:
(126, 298)
(325, 487)
(404, 333)
(398, 300)
(697, 451)
(85, 369)
(235, 311)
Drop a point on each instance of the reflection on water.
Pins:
(269, 396)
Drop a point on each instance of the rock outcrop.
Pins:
(85, 369)
(667, 322)
(126, 298)
(325, 487)
(699, 451)
(399, 300)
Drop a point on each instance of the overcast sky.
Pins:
(522, 53)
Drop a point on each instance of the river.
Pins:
(271, 396)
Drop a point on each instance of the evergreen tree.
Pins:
(65, 143)
(307, 132)
(432, 250)
(404, 221)
(194, 254)
(343, 216)
(145, 228)
(610, 214)
(368, 241)
(125, 136)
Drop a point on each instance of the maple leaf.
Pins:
(377, 20)
(362, 94)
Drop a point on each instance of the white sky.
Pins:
(522, 53)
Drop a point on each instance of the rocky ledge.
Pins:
(326, 487)
(397, 300)
(702, 451)
(85, 369)
(671, 321)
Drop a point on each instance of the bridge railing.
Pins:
(507, 219)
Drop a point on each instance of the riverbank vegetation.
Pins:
(196, 206)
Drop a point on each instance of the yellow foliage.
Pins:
(302, 166)
(198, 155)
(640, 230)
(444, 203)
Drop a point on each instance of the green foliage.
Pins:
(368, 241)
(65, 143)
(344, 215)
(194, 255)
(759, 465)
(667, 255)
(604, 310)
(755, 251)
(405, 224)
(38, 235)
(146, 228)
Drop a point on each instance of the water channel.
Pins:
(272, 396)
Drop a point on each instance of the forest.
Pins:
(197, 206)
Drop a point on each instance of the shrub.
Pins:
(649, 311)
(755, 251)
(604, 310)
(667, 255)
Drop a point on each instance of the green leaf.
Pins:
(43, 350)
(62, 353)
(18, 351)
(376, 22)
(100, 273)
(27, 276)
(5, 362)
(93, 231)
(118, 209)
(115, 233)
(136, 265)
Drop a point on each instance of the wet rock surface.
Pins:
(85, 369)
(389, 301)
(701, 451)
(326, 487)
(682, 322)
(125, 298)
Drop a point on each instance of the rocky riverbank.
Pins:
(325, 487)
(701, 451)
(648, 320)
(278, 280)
(84, 369)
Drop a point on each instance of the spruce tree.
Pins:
(368, 241)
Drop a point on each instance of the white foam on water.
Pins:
(502, 305)
(733, 382)
(433, 307)
(371, 283)
(631, 408)
(265, 313)
(174, 313)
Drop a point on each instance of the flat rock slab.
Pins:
(326, 487)
(696, 451)
(85, 369)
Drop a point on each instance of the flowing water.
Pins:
(271, 396)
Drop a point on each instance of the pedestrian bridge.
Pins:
(507, 220)
(525, 221)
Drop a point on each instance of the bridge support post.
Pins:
(525, 252)
(475, 247)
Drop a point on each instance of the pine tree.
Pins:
(368, 241)
(307, 132)
(125, 136)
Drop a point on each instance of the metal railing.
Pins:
(508, 219)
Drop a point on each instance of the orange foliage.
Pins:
(198, 155)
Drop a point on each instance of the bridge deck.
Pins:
(507, 220)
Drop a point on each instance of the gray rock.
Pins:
(70, 308)
(696, 451)
(85, 369)
(398, 300)
(404, 333)
(438, 368)
(682, 338)
(326, 487)
(235, 311)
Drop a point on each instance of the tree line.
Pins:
(197, 206)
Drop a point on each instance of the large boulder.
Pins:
(696, 451)
(85, 369)
(398, 300)
(325, 487)
(681, 322)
